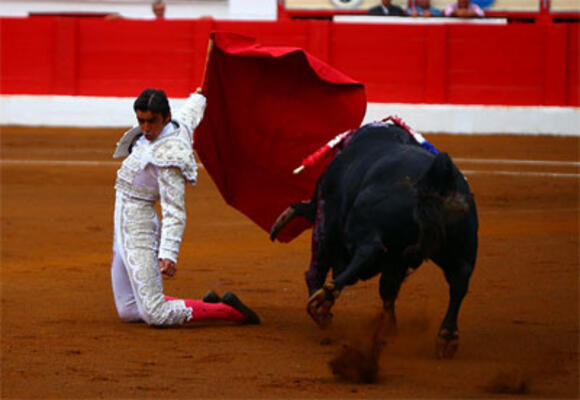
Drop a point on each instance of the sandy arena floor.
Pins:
(61, 337)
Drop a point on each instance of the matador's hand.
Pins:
(167, 267)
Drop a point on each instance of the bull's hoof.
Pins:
(323, 319)
(319, 306)
(388, 320)
(319, 311)
(447, 344)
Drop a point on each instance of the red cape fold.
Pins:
(267, 109)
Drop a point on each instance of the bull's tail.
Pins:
(438, 205)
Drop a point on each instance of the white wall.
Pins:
(477, 119)
(254, 9)
(81, 111)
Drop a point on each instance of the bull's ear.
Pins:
(455, 207)
(440, 177)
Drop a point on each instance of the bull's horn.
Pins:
(283, 220)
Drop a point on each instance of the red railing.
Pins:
(513, 64)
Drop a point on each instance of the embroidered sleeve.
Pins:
(191, 112)
(172, 194)
(176, 152)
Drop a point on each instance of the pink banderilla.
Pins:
(341, 140)
(338, 142)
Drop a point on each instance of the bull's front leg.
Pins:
(321, 301)
(319, 260)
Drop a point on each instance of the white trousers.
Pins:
(135, 274)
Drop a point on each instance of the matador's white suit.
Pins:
(152, 171)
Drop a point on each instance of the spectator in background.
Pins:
(158, 7)
(386, 8)
(423, 8)
(463, 9)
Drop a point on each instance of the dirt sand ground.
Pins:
(61, 337)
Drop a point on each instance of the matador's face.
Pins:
(151, 123)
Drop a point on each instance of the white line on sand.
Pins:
(86, 163)
(521, 173)
(517, 162)
(60, 163)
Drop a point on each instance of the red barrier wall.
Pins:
(515, 64)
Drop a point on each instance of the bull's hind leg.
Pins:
(389, 285)
(457, 275)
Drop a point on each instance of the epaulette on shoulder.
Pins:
(176, 150)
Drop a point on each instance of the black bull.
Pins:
(383, 206)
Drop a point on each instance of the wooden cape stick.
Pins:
(210, 45)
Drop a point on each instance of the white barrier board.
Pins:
(83, 111)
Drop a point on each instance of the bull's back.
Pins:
(378, 154)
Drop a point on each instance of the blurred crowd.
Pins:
(423, 8)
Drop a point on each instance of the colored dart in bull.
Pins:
(338, 142)
(416, 135)
(341, 140)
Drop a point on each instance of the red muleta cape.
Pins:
(267, 109)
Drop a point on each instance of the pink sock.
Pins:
(203, 310)
(219, 311)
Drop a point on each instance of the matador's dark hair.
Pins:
(153, 100)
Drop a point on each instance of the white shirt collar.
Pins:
(167, 129)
